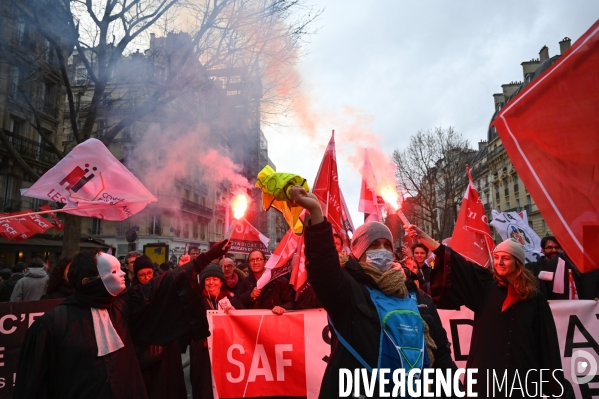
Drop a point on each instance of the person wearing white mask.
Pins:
(84, 348)
(362, 300)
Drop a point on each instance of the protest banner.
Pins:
(257, 354)
(15, 319)
(245, 238)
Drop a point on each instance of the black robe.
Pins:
(59, 359)
(521, 338)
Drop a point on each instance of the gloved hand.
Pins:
(219, 249)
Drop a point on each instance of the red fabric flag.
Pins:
(550, 134)
(58, 224)
(299, 274)
(11, 228)
(281, 260)
(326, 188)
(471, 235)
(34, 224)
(370, 203)
(245, 238)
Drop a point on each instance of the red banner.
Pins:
(550, 134)
(245, 238)
(34, 224)
(11, 228)
(259, 355)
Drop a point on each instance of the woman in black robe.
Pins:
(514, 332)
(62, 356)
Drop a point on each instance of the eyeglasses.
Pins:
(148, 274)
(228, 266)
(256, 260)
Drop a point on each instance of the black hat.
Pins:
(143, 262)
(213, 271)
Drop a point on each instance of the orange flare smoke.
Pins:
(239, 205)
(390, 196)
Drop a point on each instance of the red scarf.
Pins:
(232, 281)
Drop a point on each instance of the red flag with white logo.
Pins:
(370, 203)
(471, 235)
(92, 183)
(245, 238)
(326, 189)
(35, 224)
(550, 133)
(58, 224)
(11, 228)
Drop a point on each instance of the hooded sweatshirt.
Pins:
(31, 287)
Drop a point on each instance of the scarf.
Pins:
(95, 296)
(232, 281)
(393, 283)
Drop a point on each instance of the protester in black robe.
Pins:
(61, 357)
(513, 332)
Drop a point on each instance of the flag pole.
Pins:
(65, 210)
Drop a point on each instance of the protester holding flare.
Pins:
(514, 330)
(363, 292)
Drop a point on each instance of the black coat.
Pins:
(587, 284)
(64, 290)
(521, 338)
(59, 360)
(278, 292)
(343, 294)
(7, 286)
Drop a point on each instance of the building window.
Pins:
(516, 184)
(202, 231)
(518, 204)
(155, 225)
(80, 75)
(528, 200)
(507, 205)
(96, 228)
(497, 193)
(186, 194)
(506, 190)
(195, 230)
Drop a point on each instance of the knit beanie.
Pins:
(143, 262)
(366, 234)
(513, 248)
(213, 271)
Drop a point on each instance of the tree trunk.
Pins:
(72, 235)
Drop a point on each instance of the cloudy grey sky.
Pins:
(391, 68)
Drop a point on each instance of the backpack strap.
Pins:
(350, 348)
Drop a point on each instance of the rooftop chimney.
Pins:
(564, 45)
(482, 145)
(544, 54)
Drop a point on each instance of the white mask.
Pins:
(381, 259)
(111, 274)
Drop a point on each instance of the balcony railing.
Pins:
(155, 230)
(95, 231)
(198, 209)
(47, 108)
(32, 149)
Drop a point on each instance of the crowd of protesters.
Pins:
(156, 312)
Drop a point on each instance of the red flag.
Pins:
(550, 134)
(471, 235)
(245, 238)
(11, 228)
(33, 223)
(370, 203)
(326, 188)
(299, 274)
(281, 260)
(58, 224)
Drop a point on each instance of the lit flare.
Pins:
(391, 197)
(239, 205)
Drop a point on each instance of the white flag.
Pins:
(93, 183)
(512, 225)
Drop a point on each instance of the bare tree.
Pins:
(258, 36)
(432, 171)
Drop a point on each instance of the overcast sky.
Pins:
(391, 68)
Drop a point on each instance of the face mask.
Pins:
(380, 259)
(111, 274)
